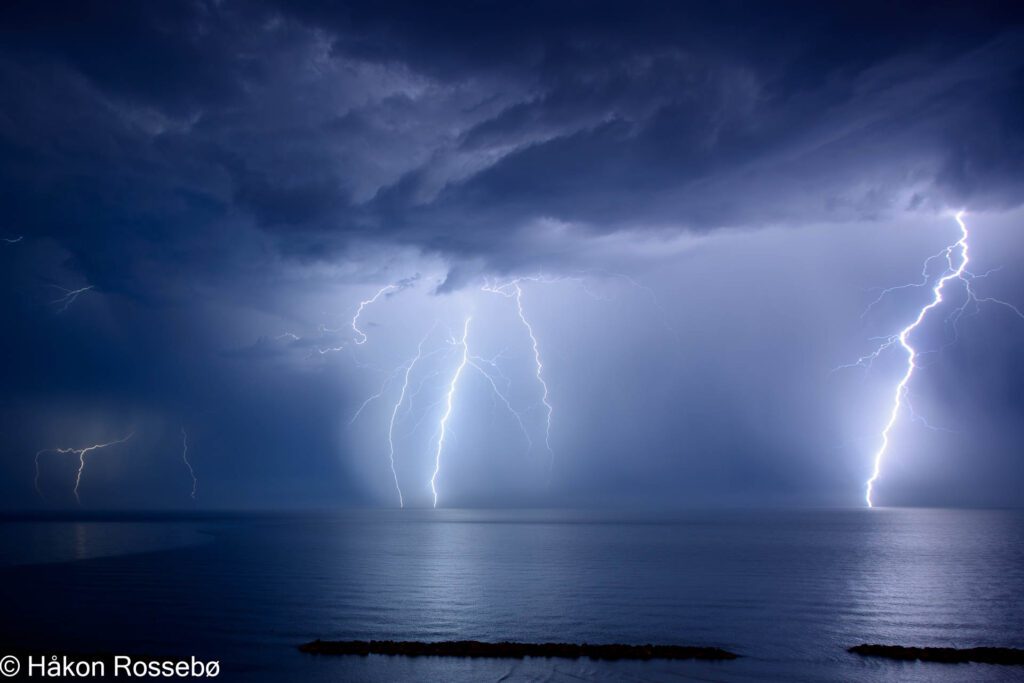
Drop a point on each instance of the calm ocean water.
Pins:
(787, 590)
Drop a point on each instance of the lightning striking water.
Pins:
(443, 427)
(957, 258)
(184, 456)
(513, 290)
(80, 452)
(409, 367)
(360, 335)
(70, 296)
(488, 368)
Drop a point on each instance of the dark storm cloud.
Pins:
(453, 127)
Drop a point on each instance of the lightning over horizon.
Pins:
(513, 290)
(488, 368)
(443, 426)
(188, 464)
(957, 258)
(409, 367)
(477, 363)
(81, 453)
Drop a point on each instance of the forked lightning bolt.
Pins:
(513, 290)
(478, 364)
(409, 367)
(443, 427)
(81, 453)
(406, 371)
(957, 258)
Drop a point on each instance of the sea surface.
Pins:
(788, 590)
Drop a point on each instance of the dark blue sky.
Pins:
(709, 193)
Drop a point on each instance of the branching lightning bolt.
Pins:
(477, 363)
(69, 297)
(80, 452)
(443, 427)
(957, 258)
(409, 367)
(488, 368)
(513, 290)
(360, 335)
(373, 397)
(184, 456)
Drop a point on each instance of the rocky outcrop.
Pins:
(946, 655)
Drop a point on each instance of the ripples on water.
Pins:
(788, 590)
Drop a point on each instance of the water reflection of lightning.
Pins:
(184, 456)
(80, 452)
(443, 426)
(957, 258)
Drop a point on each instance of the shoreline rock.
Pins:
(944, 655)
(506, 650)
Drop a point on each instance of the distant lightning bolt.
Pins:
(69, 297)
(184, 456)
(443, 427)
(539, 369)
(513, 290)
(409, 367)
(488, 368)
(14, 240)
(373, 397)
(360, 335)
(477, 363)
(957, 258)
(80, 452)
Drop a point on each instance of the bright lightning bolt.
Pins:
(184, 456)
(360, 335)
(409, 367)
(80, 452)
(488, 368)
(442, 429)
(69, 297)
(957, 258)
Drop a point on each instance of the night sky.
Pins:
(698, 200)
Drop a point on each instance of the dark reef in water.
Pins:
(945, 655)
(475, 648)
